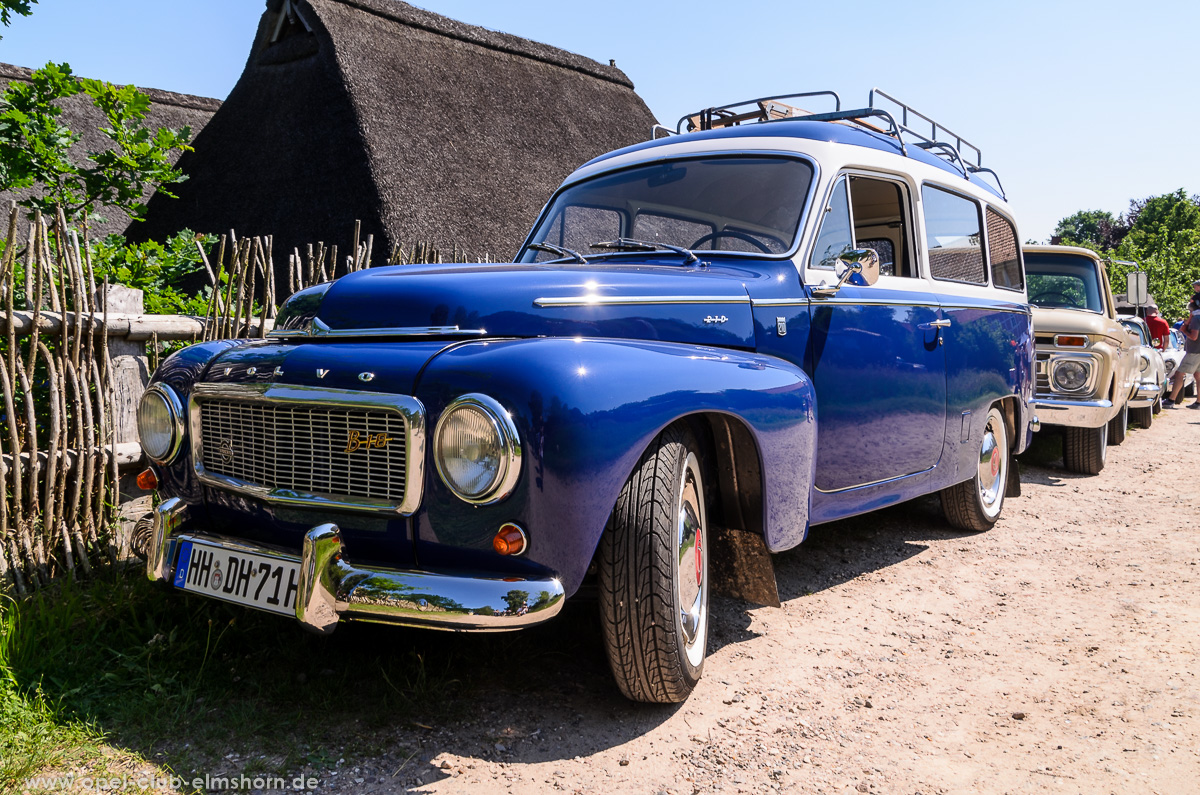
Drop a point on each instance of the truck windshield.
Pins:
(750, 205)
(1063, 280)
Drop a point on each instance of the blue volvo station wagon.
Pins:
(764, 320)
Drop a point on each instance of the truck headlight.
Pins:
(160, 423)
(477, 450)
(1070, 375)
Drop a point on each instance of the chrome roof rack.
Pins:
(933, 137)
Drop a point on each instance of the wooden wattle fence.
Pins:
(74, 364)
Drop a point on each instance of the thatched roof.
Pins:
(424, 128)
(168, 109)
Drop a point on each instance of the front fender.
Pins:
(585, 410)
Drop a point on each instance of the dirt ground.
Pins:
(1056, 653)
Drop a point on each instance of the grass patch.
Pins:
(183, 681)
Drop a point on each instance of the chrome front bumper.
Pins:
(332, 589)
(1146, 395)
(1077, 413)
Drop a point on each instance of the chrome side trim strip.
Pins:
(620, 300)
(874, 482)
(780, 301)
(320, 329)
(409, 407)
(873, 302)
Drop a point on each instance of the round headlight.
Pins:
(1071, 375)
(160, 423)
(476, 449)
(1143, 364)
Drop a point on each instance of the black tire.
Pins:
(653, 573)
(975, 504)
(1118, 426)
(1085, 449)
(1158, 403)
(1143, 416)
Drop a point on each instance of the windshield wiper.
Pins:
(559, 250)
(629, 244)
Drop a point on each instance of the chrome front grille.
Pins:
(1043, 373)
(306, 446)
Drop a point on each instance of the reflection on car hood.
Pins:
(1048, 320)
(671, 303)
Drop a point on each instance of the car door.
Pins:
(875, 353)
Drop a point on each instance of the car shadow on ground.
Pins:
(573, 692)
(232, 691)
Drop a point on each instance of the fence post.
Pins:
(130, 375)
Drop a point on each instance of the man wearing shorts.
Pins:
(1191, 356)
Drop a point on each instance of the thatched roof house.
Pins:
(424, 128)
(167, 109)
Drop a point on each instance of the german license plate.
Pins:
(244, 578)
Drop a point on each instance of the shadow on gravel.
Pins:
(207, 688)
(837, 552)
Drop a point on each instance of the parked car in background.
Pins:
(1086, 360)
(709, 343)
(1172, 355)
(1151, 376)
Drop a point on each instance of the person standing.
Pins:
(1159, 330)
(1191, 355)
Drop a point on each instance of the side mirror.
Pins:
(860, 262)
(1136, 288)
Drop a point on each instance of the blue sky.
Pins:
(1077, 105)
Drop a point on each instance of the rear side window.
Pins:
(1002, 252)
(952, 236)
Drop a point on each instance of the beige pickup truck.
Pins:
(1086, 360)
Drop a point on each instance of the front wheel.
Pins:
(1085, 449)
(975, 504)
(1118, 426)
(653, 573)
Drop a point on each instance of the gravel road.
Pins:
(1056, 652)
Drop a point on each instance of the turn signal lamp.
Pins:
(147, 480)
(1067, 341)
(509, 540)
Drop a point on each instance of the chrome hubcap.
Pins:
(692, 560)
(992, 472)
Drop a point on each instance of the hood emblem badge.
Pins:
(717, 319)
(356, 440)
(365, 377)
(321, 372)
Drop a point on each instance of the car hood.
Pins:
(1076, 321)
(672, 303)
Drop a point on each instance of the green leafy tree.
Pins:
(35, 146)
(1092, 228)
(9, 7)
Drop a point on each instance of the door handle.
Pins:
(935, 324)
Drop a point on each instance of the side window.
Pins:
(1002, 252)
(952, 236)
(881, 223)
(835, 237)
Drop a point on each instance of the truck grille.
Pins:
(310, 449)
(1043, 374)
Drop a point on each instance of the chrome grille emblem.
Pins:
(225, 451)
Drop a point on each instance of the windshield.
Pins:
(739, 204)
(1063, 280)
